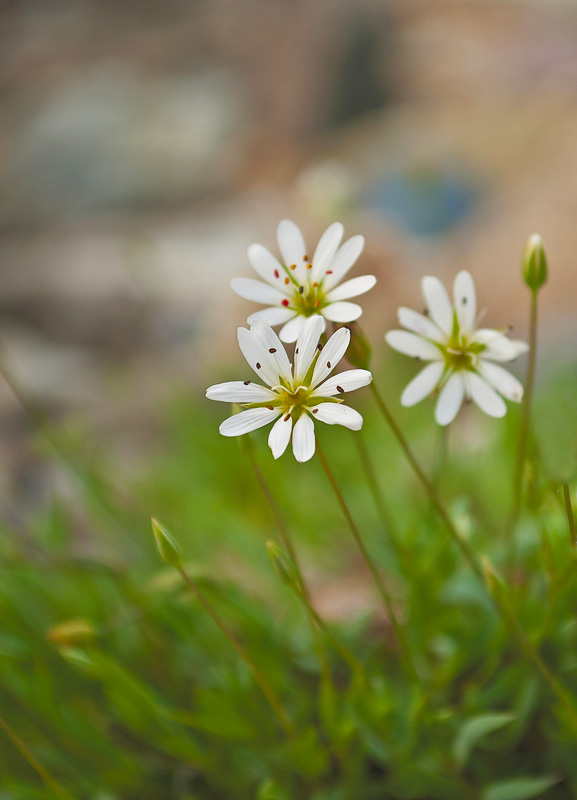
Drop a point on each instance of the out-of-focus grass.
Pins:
(120, 684)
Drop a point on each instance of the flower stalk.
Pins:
(570, 515)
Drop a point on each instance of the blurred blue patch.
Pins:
(428, 201)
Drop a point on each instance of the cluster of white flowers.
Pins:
(301, 294)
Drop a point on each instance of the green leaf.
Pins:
(519, 788)
(474, 729)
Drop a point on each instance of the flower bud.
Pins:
(535, 263)
(71, 632)
(360, 351)
(167, 544)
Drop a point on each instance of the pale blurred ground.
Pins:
(145, 145)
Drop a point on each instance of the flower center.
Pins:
(293, 400)
(308, 295)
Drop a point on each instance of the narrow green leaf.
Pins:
(474, 729)
(519, 788)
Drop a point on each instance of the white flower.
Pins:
(300, 286)
(298, 394)
(460, 355)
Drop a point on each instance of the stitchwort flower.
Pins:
(460, 354)
(301, 286)
(295, 395)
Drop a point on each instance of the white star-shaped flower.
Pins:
(460, 354)
(294, 395)
(301, 286)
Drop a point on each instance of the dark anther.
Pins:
(296, 351)
(329, 364)
(340, 389)
(272, 350)
(301, 289)
(286, 419)
(464, 301)
(319, 345)
(315, 411)
(257, 365)
(247, 383)
(270, 408)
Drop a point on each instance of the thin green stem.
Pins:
(427, 485)
(273, 701)
(376, 491)
(291, 550)
(383, 591)
(502, 608)
(524, 421)
(58, 790)
(570, 515)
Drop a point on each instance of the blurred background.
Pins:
(145, 145)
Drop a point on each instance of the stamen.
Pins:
(296, 351)
(293, 266)
(319, 346)
(301, 289)
(340, 389)
(464, 301)
(426, 312)
(315, 411)
(272, 349)
(247, 383)
(317, 303)
(270, 408)
(284, 302)
(288, 416)
(305, 258)
(276, 273)
(287, 281)
(329, 364)
(257, 365)
(315, 284)
(329, 272)
(309, 266)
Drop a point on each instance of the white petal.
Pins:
(352, 288)
(485, 397)
(423, 384)
(438, 303)
(274, 347)
(306, 347)
(337, 414)
(326, 249)
(272, 316)
(257, 291)
(304, 438)
(256, 354)
(290, 332)
(344, 382)
(330, 355)
(267, 267)
(450, 399)
(239, 392)
(465, 300)
(498, 346)
(280, 435)
(420, 324)
(342, 312)
(344, 259)
(248, 421)
(412, 345)
(502, 380)
(292, 246)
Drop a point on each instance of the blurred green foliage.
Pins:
(122, 687)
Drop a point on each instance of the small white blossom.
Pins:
(294, 395)
(301, 286)
(460, 354)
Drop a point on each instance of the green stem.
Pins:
(273, 701)
(570, 515)
(58, 790)
(290, 548)
(427, 485)
(376, 491)
(506, 614)
(383, 591)
(525, 419)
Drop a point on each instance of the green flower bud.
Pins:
(167, 544)
(535, 263)
(360, 351)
